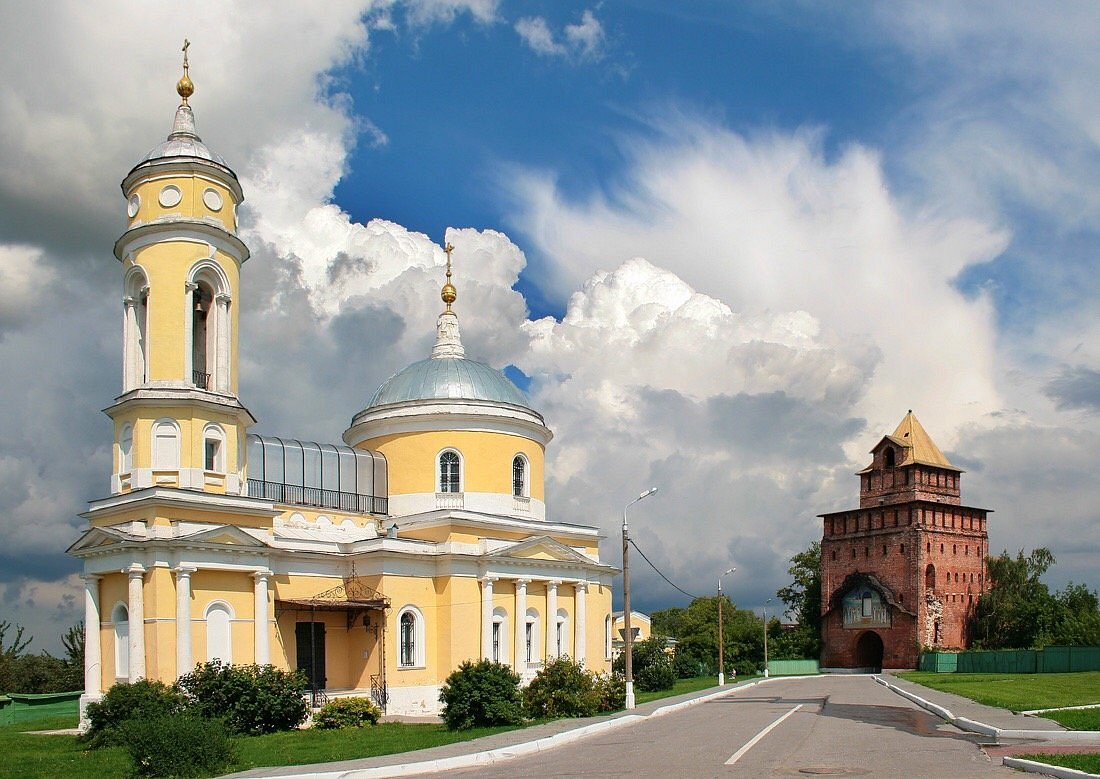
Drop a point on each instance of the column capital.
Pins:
(134, 570)
(523, 583)
(91, 577)
(263, 573)
(184, 570)
(190, 286)
(489, 579)
(223, 298)
(552, 584)
(581, 586)
(129, 302)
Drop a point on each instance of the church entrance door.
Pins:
(869, 651)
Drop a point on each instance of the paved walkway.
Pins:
(547, 736)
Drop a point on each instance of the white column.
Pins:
(222, 361)
(93, 653)
(580, 622)
(551, 619)
(263, 645)
(129, 340)
(189, 288)
(487, 617)
(184, 663)
(521, 625)
(135, 607)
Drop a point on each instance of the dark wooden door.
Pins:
(310, 640)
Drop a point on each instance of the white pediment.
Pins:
(541, 548)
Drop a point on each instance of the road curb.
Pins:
(999, 734)
(500, 754)
(1046, 769)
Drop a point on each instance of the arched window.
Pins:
(135, 325)
(532, 636)
(930, 577)
(120, 616)
(607, 637)
(166, 445)
(208, 331)
(410, 638)
(519, 476)
(561, 634)
(450, 472)
(125, 449)
(219, 636)
(213, 449)
(500, 631)
(889, 457)
(868, 603)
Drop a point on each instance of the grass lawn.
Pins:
(1017, 692)
(1076, 719)
(694, 684)
(1088, 763)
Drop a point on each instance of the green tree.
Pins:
(803, 600)
(1018, 611)
(666, 622)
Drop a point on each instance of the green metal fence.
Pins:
(16, 707)
(1051, 659)
(793, 667)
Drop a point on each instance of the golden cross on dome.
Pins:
(184, 87)
(449, 293)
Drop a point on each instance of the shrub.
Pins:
(177, 745)
(481, 693)
(688, 667)
(652, 666)
(252, 699)
(656, 674)
(346, 713)
(143, 699)
(563, 688)
(610, 691)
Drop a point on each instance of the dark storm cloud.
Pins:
(1076, 388)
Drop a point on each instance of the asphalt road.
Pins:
(826, 726)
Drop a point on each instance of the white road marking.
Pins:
(755, 739)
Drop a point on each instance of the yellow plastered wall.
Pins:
(112, 591)
(598, 606)
(192, 422)
(159, 595)
(167, 265)
(486, 460)
(191, 205)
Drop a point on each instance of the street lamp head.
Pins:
(731, 570)
(647, 493)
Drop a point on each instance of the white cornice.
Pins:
(177, 498)
(419, 416)
(461, 518)
(176, 394)
(181, 229)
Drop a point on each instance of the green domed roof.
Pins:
(448, 378)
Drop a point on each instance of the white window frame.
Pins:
(440, 486)
(525, 486)
(126, 448)
(533, 637)
(417, 659)
(214, 434)
(499, 646)
(561, 633)
(607, 637)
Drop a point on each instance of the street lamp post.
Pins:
(629, 636)
(721, 644)
(769, 600)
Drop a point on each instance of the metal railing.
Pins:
(200, 379)
(378, 691)
(316, 698)
(315, 496)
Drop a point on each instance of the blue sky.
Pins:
(724, 246)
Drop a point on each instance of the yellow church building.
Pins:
(375, 566)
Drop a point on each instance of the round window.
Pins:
(133, 204)
(170, 196)
(212, 199)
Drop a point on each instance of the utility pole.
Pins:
(721, 643)
(629, 635)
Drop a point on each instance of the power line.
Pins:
(658, 570)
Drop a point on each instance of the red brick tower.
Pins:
(905, 569)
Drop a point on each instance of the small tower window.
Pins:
(208, 300)
(930, 577)
(889, 457)
(213, 449)
(450, 472)
(519, 476)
